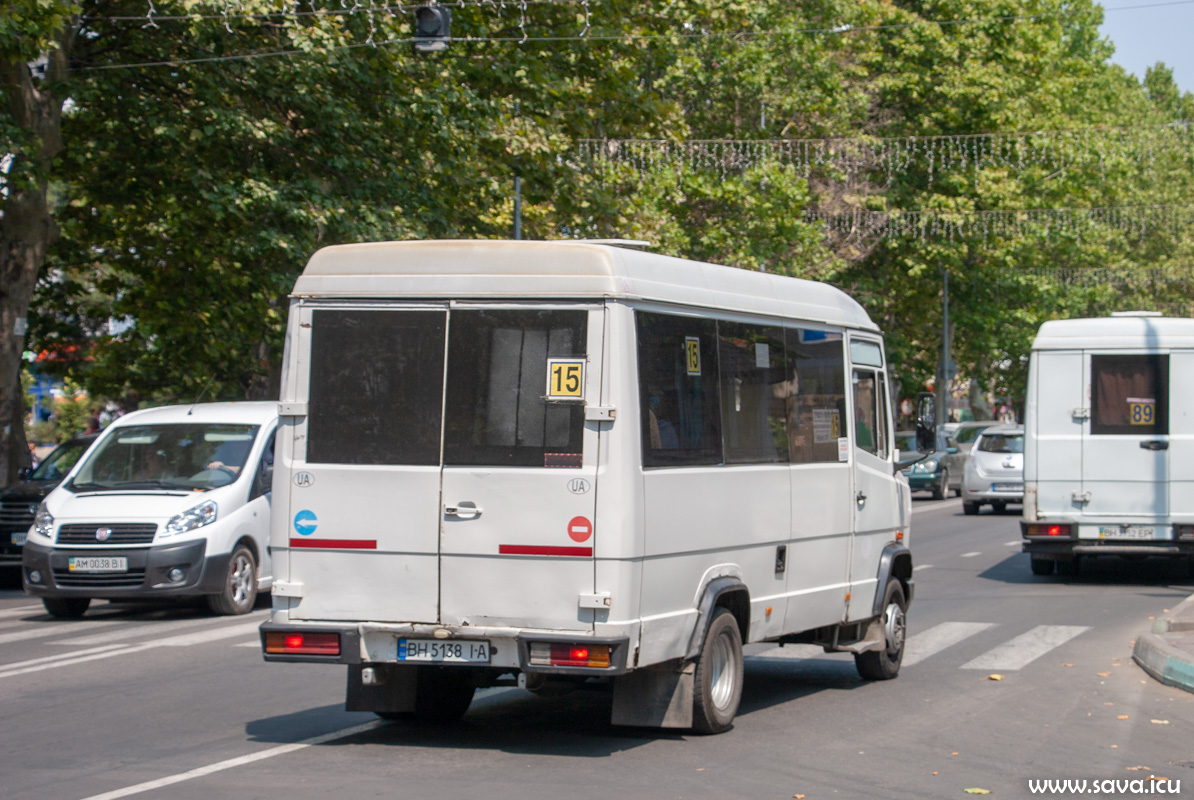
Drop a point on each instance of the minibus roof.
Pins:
(258, 412)
(536, 270)
(1115, 333)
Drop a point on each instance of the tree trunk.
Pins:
(26, 231)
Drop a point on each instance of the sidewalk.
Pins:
(1167, 652)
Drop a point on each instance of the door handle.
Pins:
(463, 510)
(861, 499)
(1154, 446)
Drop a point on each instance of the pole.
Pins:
(943, 394)
(517, 207)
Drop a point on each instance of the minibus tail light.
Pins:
(556, 654)
(303, 644)
(1047, 530)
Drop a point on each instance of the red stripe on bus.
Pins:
(535, 550)
(336, 544)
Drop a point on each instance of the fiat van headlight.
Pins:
(43, 521)
(192, 518)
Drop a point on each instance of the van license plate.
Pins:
(99, 564)
(443, 651)
(19, 539)
(1126, 532)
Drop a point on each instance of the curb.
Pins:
(1167, 651)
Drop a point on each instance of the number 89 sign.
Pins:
(565, 378)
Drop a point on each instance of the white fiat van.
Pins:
(514, 463)
(1109, 441)
(168, 502)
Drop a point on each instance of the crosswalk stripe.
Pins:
(21, 610)
(1026, 648)
(148, 629)
(939, 637)
(55, 629)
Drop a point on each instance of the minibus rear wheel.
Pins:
(883, 664)
(717, 689)
(442, 694)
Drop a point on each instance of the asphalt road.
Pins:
(173, 703)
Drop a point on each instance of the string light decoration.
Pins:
(854, 158)
(1046, 223)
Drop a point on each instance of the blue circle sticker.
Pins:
(304, 522)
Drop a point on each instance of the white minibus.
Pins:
(1109, 441)
(525, 463)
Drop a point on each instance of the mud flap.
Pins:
(391, 689)
(659, 697)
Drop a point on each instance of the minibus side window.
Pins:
(1129, 394)
(496, 413)
(679, 405)
(815, 395)
(754, 391)
(376, 387)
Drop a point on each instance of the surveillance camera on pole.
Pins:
(432, 29)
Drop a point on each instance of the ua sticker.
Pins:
(305, 522)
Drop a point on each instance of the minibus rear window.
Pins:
(1129, 394)
(496, 412)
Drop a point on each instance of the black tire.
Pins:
(999, 507)
(1068, 568)
(239, 593)
(717, 684)
(942, 489)
(957, 491)
(969, 508)
(1042, 566)
(883, 664)
(442, 694)
(66, 607)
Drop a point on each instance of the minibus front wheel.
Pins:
(884, 663)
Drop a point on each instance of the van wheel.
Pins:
(240, 585)
(884, 664)
(718, 680)
(66, 607)
(969, 508)
(1068, 568)
(1042, 566)
(442, 694)
(942, 489)
(999, 507)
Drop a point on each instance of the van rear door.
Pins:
(520, 466)
(1125, 458)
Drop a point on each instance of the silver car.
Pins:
(995, 469)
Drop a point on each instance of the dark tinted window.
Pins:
(496, 411)
(754, 388)
(869, 419)
(60, 461)
(816, 394)
(376, 387)
(678, 390)
(1129, 394)
(1001, 443)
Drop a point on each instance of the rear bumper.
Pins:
(1067, 548)
(513, 645)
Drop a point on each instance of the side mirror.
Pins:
(926, 422)
(24, 472)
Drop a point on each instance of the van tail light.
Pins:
(304, 644)
(555, 654)
(1047, 530)
(1185, 531)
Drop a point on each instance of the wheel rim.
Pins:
(240, 579)
(895, 629)
(723, 674)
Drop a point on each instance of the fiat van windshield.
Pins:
(191, 457)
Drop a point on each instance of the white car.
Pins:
(994, 472)
(168, 502)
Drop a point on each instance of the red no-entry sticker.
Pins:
(580, 529)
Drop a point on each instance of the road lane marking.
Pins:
(934, 506)
(919, 567)
(150, 628)
(58, 657)
(55, 629)
(939, 637)
(792, 651)
(239, 761)
(19, 610)
(1026, 648)
(254, 643)
(118, 649)
(970, 555)
(1016, 543)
